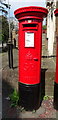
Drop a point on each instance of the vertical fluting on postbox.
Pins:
(30, 44)
(56, 79)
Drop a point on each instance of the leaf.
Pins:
(14, 97)
(46, 97)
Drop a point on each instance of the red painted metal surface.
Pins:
(56, 80)
(31, 11)
(56, 12)
(30, 28)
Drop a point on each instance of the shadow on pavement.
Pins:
(7, 111)
(43, 83)
(15, 67)
(30, 119)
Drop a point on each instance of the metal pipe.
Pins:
(9, 21)
(10, 45)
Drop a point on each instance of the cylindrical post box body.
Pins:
(30, 43)
(56, 79)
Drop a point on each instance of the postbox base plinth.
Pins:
(56, 96)
(30, 96)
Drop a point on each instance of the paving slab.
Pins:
(10, 81)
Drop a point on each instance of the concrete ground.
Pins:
(10, 81)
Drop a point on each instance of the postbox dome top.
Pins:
(56, 12)
(31, 11)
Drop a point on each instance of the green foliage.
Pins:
(14, 97)
(5, 29)
(44, 27)
(0, 38)
(47, 97)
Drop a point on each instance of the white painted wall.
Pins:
(51, 30)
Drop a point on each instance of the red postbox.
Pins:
(56, 79)
(30, 43)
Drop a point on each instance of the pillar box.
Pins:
(30, 45)
(56, 79)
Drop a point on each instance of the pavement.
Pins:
(10, 81)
